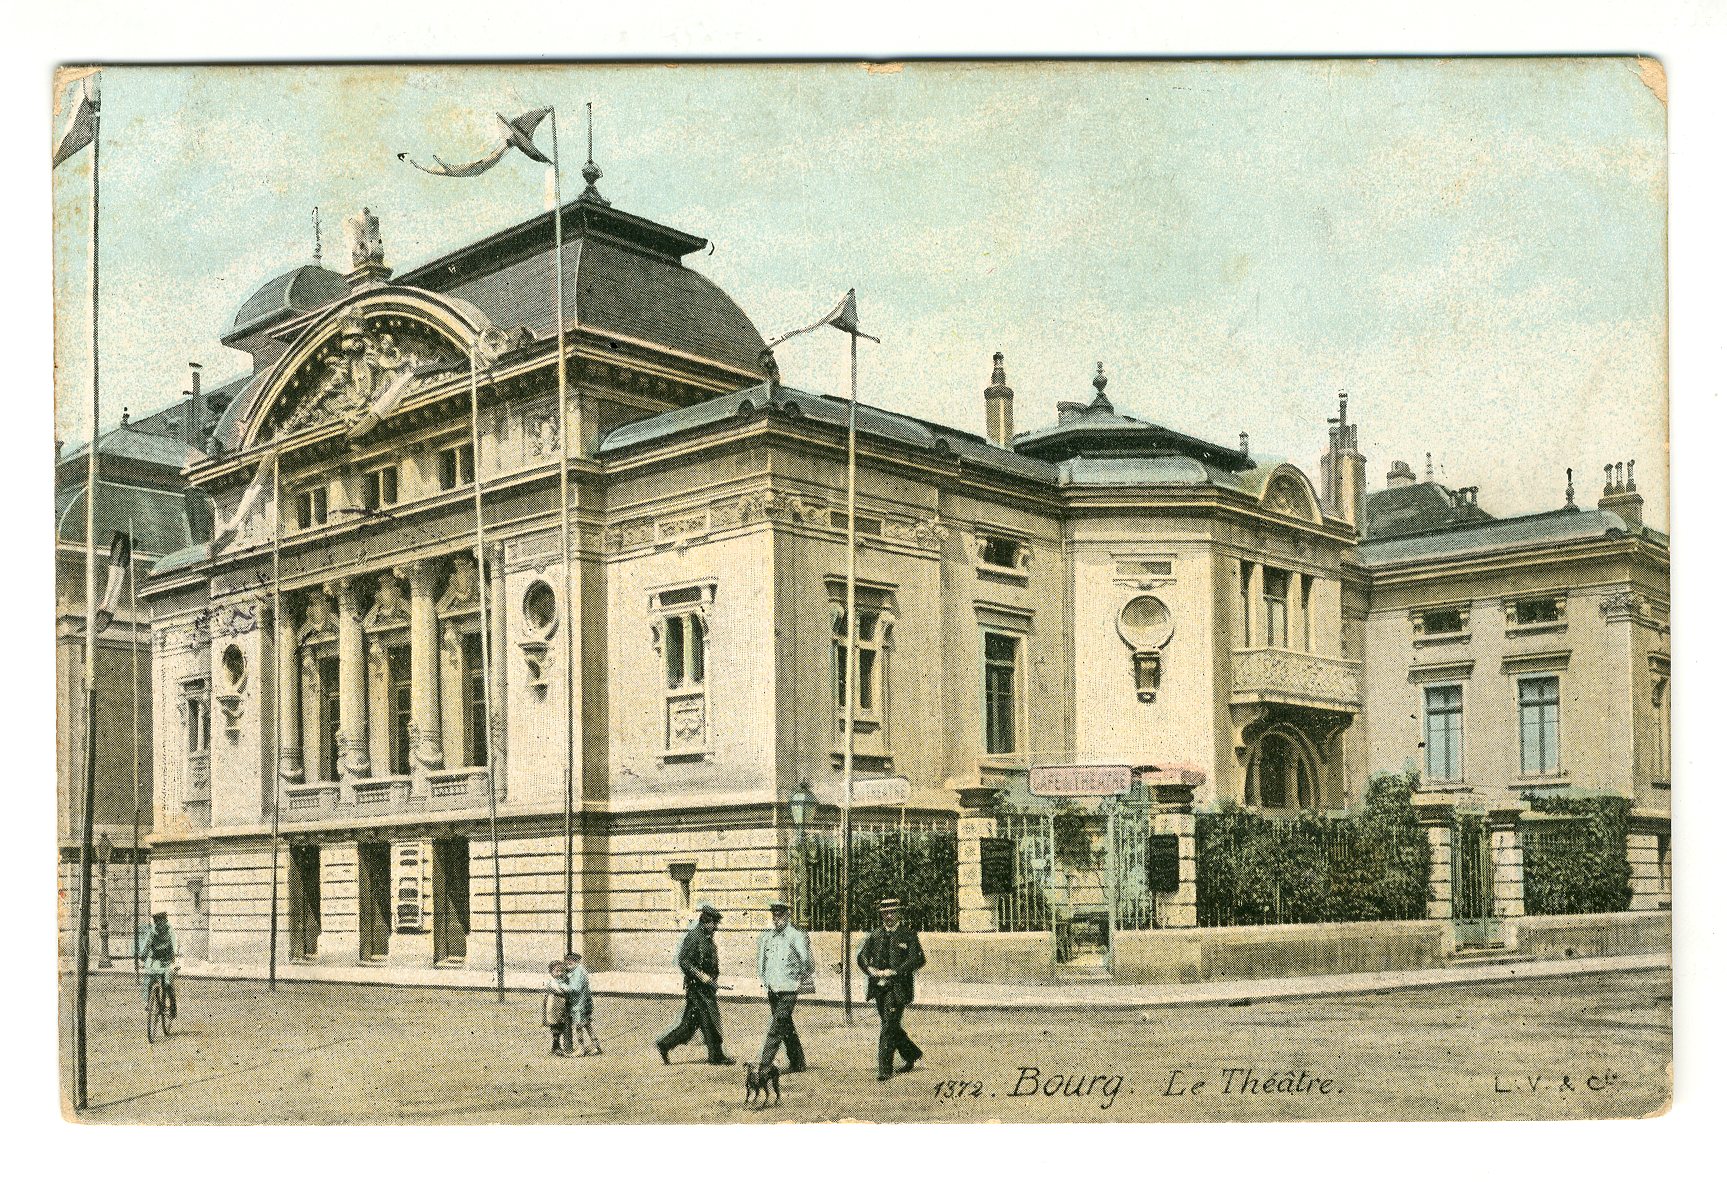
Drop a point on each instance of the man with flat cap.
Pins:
(891, 956)
(699, 961)
(783, 962)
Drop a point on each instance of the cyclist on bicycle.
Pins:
(156, 950)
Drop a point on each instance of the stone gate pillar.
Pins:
(1507, 848)
(1438, 819)
(976, 821)
(1643, 849)
(1178, 908)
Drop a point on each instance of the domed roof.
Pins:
(292, 292)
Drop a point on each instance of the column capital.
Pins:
(421, 574)
(346, 592)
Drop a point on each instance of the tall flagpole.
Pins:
(81, 1080)
(851, 683)
(564, 537)
(276, 652)
(486, 663)
(137, 792)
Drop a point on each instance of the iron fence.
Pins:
(1564, 864)
(1254, 870)
(913, 859)
(1029, 906)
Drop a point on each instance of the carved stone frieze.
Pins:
(359, 366)
(1279, 675)
(926, 532)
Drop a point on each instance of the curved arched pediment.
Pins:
(358, 361)
(1289, 494)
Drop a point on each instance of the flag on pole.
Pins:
(78, 127)
(248, 504)
(844, 317)
(119, 562)
(518, 134)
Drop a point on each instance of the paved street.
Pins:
(1587, 1046)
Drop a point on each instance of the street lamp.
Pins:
(801, 804)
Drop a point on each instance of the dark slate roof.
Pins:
(1417, 508)
(1511, 533)
(161, 521)
(1161, 469)
(1096, 430)
(289, 294)
(623, 276)
(142, 446)
(903, 430)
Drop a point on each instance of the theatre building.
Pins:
(654, 623)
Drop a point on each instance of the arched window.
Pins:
(1281, 774)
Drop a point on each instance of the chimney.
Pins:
(998, 406)
(1400, 476)
(193, 429)
(1343, 469)
(1620, 496)
(365, 250)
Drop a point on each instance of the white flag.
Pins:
(248, 504)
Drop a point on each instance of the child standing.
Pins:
(580, 996)
(555, 1008)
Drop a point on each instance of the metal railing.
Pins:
(915, 860)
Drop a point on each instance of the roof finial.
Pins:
(1570, 491)
(1630, 478)
(1101, 402)
(125, 416)
(591, 171)
(1430, 467)
(317, 240)
(998, 375)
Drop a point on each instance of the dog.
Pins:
(758, 1082)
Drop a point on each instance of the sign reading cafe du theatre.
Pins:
(1081, 780)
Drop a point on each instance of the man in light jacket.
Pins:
(783, 962)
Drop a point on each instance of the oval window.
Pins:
(234, 665)
(540, 608)
(1145, 623)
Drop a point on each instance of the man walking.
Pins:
(892, 956)
(699, 961)
(783, 961)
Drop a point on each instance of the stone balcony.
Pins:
(422, 792)
(1275, 675)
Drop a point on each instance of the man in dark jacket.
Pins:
(891, 956)
(699, 961)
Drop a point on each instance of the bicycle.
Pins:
(156, 1015)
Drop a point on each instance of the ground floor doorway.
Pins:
(305, 901)
(450, 899)
(374, 890)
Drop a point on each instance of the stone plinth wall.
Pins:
(119, 901)
(1279, 950)
(1619, 933)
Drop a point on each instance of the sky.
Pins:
(1474, 250)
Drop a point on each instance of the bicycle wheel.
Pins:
(154, 1012)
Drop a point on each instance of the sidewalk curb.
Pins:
(1125, 997)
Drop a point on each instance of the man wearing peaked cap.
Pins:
(784, 963)
(699, 961)
(891, 957)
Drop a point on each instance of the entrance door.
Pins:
(450, 899)
(1082, 919)
(305, 901)
(374, 900)
(1472, 883)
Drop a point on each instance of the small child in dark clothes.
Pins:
(555, 1008)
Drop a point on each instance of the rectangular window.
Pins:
(329, 719)
(1276, 608)
(1304, 614)
(686, 651)
(401, 710)
(474, 701)
(1000, 677)
(1544, 610)
(1441, 621)
(197, 717)
(380, 490)
(456, 466)
(1444, 732)
(1247, 605)
(1000, 552)
(868, 661)
(1538, 724)
(312, 507)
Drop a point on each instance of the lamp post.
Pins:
(104, 852)
(801, 805)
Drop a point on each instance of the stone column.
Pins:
(1178, 908)
(1436, 820)
(290, 763)
(351, 652)
(976, 821)
(428, 731)
(1507, 849)
(1643, 851)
